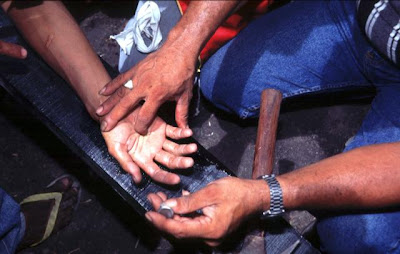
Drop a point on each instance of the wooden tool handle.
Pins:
(266, 134)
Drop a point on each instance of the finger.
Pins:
(12, 50)
(193, 202)
(155, 200)
(119, 152)
(160, 175)
(178, 133)
(187, 228)
(116, 83)
(177, 149)
(125, 106)
(182, 110)
(113, 100)
(147, 114)
(162, 195)
(173, 162)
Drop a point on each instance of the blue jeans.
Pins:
(11, 224)
(308, 47)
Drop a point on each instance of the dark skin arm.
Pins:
(166, 74)
(54, 34)
(364, 178)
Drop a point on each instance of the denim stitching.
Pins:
(395, 246)
(5, 246)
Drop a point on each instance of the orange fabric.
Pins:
(232, 26)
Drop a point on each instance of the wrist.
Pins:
(263, 196)
(92, 105)
(275, 197)
(184, 41)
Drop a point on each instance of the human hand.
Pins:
(12, 50)
(225, 203)
(166, 74)
(133, 150)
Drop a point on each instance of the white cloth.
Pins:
(146, 21)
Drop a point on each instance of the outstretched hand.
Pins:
(166, 74)
(224, 203)
(134, 151)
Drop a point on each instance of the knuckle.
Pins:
(119, 79)
(179, 233)
(121, 92)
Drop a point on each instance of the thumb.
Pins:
(190, 203)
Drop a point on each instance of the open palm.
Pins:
(134, 151)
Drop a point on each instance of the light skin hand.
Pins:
(225, 203)
(12, 50)
(155, 82)
(133, 150)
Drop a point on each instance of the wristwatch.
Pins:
(276, 208)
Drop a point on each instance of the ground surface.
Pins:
(31, 156)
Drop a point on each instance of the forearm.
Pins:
(198, 24)
(53, 33)
(366, 177)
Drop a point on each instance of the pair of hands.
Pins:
(133, 150)
(135, 136)
(224, 203)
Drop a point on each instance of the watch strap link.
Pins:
(276, 197)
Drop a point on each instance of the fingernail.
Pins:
(102, 91)
(103, 126)
(189, 162)
(99, 109)
(24, 53)
(170, 203)
(148, 217)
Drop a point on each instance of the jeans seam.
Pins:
(245, 112)
(5, 245)
(396, 246)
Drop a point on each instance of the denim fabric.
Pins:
(306, 47)
(11, 228)
(361, 233)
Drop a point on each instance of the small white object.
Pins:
(129, 84)
(146, 21)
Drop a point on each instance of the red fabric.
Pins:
(232, 26)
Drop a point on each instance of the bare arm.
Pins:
(198, 24)
(166, 74)
(54, 34)
(364, 178)
(367, 177)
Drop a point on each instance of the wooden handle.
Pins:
(266, 133)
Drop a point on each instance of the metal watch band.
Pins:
(276, 198)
